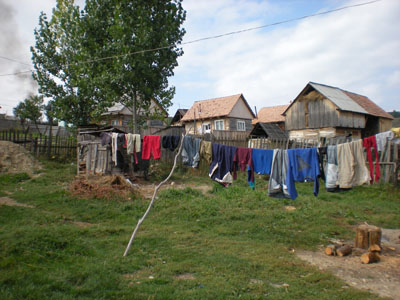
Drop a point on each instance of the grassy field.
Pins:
(226, 243)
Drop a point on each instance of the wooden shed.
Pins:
(326, 111)
(95, 158)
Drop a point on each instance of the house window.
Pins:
(219, 124)
(125, 122)
(206, 128)
(115, 122)
(241, 126)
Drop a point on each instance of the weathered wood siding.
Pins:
(233, 124)
(295, 116)
(321, 113)
(316, 113)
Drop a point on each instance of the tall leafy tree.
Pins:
(30, 109)
(111, 51)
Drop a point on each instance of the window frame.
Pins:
(219, 122)
(242, 123)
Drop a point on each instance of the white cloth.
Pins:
(382, 138)
(132, 142)
(114, 147)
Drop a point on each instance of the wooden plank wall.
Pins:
(39, 144)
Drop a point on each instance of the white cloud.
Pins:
(354, 49)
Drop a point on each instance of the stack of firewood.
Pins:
(367, 243)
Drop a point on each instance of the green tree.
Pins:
(88, 60)
(29, 109)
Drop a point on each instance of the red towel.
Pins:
(368, 143)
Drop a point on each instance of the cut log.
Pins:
(367, 235)
(344, 250)
(370, 257)
(375, 248)
(358, 251)
(331, 250)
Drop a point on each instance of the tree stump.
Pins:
(331, 250)
(367, 235)
(370, 257)
(344, 250)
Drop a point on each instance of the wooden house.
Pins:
(325, 111)
(231, 113)
(121, 117)
(273, 114)
(176, 120)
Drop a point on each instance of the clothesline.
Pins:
(341, 166)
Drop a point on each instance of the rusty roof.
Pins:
(213, 108)
(368, 105)
(271, 114)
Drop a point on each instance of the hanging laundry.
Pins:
(262, 160)
(303, 165)
(151, 145)
(206, 151)
(396, 132)
(277, 182)
(191, 151)
(222, 163)
(382, 138)
(170, 142)
(241, 159)
(322, 152)
(105, 138)
(114, 147)
(352, 170)
(133, 144)
(368, 143)
(331, 175)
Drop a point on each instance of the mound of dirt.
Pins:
(109, 187)
(16, 159)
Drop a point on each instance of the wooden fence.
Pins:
(39, 144)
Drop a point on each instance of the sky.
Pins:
(356, 49)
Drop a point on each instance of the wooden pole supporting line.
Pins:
(152, 200)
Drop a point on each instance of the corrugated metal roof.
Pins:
(339, 98)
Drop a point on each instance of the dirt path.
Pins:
(147, 190)
(382, 278)
(11, 202)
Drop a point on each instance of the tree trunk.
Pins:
(370, 257)
(367, 235)
(344, 250)
(331, 250)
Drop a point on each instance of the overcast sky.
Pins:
(357, 49)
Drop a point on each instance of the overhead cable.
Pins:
(215, 36)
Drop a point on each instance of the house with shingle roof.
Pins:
(273, 114)
(325, 111)
(230, 113)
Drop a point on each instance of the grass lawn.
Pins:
(222, 244)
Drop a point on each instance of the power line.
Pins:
(17, 73)
(14, 60)
(217, 36)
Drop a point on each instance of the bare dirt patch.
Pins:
(382, 278)
(11, 202)
(146, 190)
(15, 158)
(186, 276)
(108, 187)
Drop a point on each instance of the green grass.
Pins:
(233, 241)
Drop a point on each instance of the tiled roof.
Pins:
(212, 108)
(271, 114)
(368, 105)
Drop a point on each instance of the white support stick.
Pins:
(154, 197)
